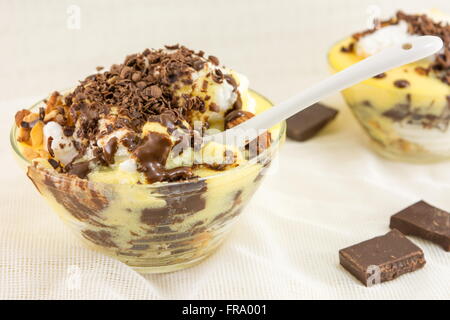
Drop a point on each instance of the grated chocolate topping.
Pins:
(141, 88)
(422, 25)
(146, 87)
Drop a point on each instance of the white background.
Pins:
(328, 193)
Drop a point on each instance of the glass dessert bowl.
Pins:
(152, 223)
(406, 111)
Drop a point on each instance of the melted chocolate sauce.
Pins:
(109, 150)
(152, 155)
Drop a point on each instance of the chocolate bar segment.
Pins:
(307, 123)
(382, 258)
(424, 221)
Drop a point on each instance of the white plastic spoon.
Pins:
(387, 59)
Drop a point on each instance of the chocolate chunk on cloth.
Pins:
(307, 123)
(382, 258)
(424, 221)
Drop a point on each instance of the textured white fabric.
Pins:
(322, 195)
(328, 193)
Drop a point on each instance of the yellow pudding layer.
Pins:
(426, 91)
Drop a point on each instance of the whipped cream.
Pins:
(384, 38)
(62, 146)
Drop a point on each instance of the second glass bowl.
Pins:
(405, 112)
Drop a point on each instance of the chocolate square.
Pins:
(382, 258)
(424, 221)
(307, 123)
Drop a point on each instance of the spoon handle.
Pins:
(387, 59)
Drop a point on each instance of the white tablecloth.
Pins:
(324, 195)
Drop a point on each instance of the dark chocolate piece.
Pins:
(424, 221)
(307, 123)
(382, 258)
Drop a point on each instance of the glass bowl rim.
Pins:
(268, 153)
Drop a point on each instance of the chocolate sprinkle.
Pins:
(380, 76)
(41, 113)
(401, 84)
(55, 164)
(349, 49)
(49, 146)
(68, 131)
(214, 60)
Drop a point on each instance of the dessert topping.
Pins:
(401, 84)
(421, 24)
(380, 76)
(152, 155)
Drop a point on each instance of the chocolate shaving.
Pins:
(110, 149)
(214, 107)
(231, 81)
(55, 164)
(401, 84)
(380, 76)
(172, 47)
(217, 76)
(205, 86)
(422, 71)
(41, 113)
(49, 146)
(349, 49)
(68, 131)
(140, 88)
(155, 91)
(214, 60)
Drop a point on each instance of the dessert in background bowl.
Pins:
(406, 111)
(117, 156)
